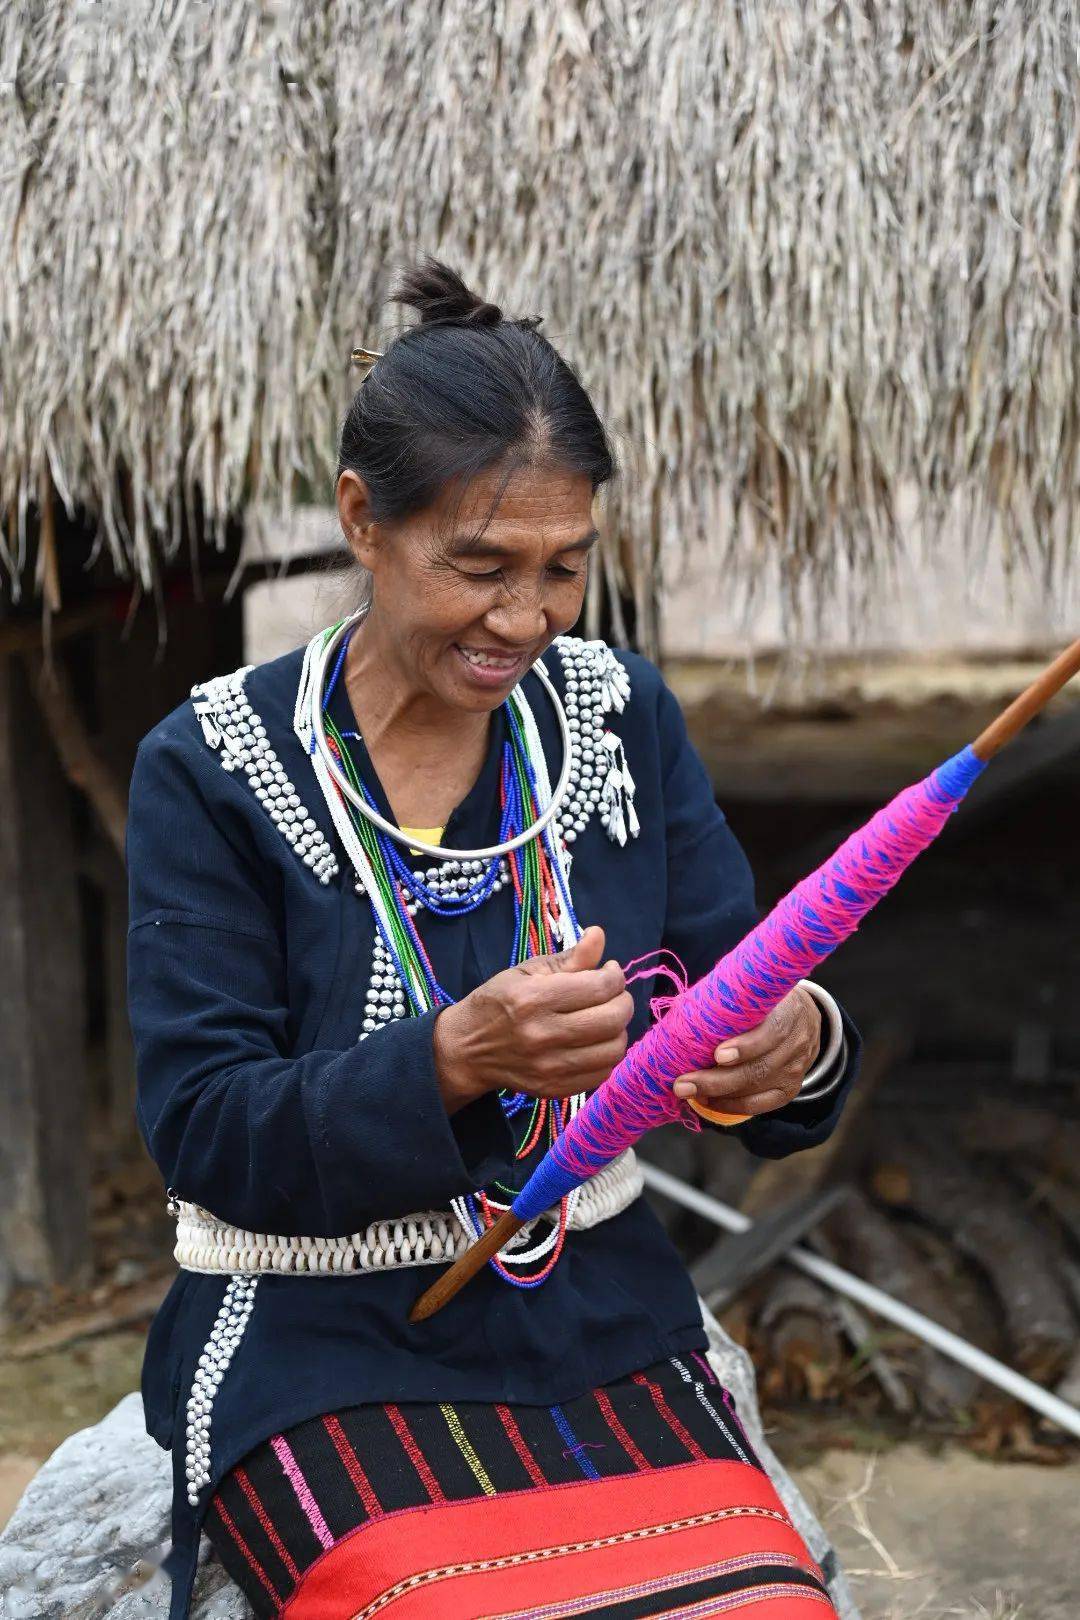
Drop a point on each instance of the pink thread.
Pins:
(302, 1490)
(676, 976)
(817, 915)
(809, 923)
(649, 966)
(710, 1376)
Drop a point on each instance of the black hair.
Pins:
(462, 391)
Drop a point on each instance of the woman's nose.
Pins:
(519, 620)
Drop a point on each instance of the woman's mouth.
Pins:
(489, 668)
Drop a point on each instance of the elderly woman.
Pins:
(362, 1013)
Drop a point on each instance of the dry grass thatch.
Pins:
(806, 252)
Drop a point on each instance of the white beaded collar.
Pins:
(596, 684)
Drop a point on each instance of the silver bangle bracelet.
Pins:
(827, 1071)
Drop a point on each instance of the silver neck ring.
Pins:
(440, 852)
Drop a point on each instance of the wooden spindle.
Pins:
(459, 1273)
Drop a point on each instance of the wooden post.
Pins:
(44, 1150)
(119, 1048)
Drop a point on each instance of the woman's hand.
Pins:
(553, 1026)
(764, 1068)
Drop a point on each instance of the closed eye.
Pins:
(558, 570)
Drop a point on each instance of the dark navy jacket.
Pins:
(247, 978)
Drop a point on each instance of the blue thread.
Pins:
(958, 773)
(443, 907)
(548, 1185)
(575, 1447)
(511, 823)
(342, 650)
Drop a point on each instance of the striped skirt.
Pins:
(640, 1499)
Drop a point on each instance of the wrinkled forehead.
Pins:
(530, 510)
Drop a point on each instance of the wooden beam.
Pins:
(858, 748)
(20, 635)
(107, 609)
(81, 762)
(119, 1048)
(48, 563)
(44, 1156)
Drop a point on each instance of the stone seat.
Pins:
(94, 1521)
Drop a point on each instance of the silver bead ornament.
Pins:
(231, 725)
(232, 1318)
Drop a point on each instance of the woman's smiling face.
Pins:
(462, 614)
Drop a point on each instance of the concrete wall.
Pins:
(285, 611)
(940, 596)
(943, 593)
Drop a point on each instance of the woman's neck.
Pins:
(427, 754)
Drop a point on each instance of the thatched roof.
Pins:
(804, 252)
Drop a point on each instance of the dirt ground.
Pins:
(927, 1536)
(924, 1534)
(45, 1399)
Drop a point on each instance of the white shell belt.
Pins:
(208, 1245)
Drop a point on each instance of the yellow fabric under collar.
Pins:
(425, 835)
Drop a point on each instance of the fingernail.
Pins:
(727, 1054)
(684, 1088)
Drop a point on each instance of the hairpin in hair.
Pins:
(365, 357)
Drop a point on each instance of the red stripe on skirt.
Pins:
(227, 1521)
(240, 1475)
(669, 1417)
(517, 1440)
(619, 1432)
(415, 1455)
(496, 1554)
(351, 1462)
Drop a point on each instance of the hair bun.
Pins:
(486, 315)
(438, 293)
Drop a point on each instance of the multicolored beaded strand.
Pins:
(539, 893)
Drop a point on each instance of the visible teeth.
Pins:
(485, 661)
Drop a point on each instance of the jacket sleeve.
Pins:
(317, 1143)
(710, 907)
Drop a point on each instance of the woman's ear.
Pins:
(354, 513)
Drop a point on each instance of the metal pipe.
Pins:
(1062, 1413)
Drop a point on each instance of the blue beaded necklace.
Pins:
(535, 894)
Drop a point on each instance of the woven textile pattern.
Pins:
(640, 1498)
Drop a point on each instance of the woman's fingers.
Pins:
(795, 1019)
(571, 992)
(758, 1101)
(589, 1068)
(779, 1072)
(784, 1063)
(762, 1102)
(590, 1026)
(540, 985)
(548, 1027)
